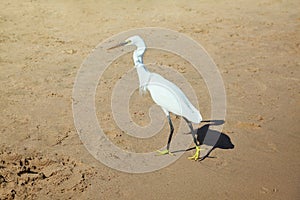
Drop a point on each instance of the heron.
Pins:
(164, 93)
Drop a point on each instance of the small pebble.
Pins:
(260, 118)
(2, 179)
(264, 189)
(41, 175)
(71, 51)
(26, 162)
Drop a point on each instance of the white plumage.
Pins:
(163, 92)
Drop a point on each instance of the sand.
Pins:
(256, 46)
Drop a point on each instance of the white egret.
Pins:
(164, 93)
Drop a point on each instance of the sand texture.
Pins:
(256, 46)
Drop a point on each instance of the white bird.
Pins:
(164, 93)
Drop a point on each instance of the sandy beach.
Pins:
(256, 47)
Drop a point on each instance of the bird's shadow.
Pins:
(223, 140)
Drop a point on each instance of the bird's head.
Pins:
(134, 40)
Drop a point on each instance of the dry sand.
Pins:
(256, 46)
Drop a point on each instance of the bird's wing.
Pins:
(167, 95)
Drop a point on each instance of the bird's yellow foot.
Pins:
(164, 152)
(196, 156)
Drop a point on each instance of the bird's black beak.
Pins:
(119, 45)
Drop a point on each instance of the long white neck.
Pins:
(142, 71)
(138, 55)
(144, 76)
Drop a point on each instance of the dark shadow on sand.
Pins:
(223, 140)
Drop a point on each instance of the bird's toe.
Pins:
(164, 152)
(196, 156)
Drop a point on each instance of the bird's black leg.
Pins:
(164, 152)
(196, 156)
(171, 132)
(192, 130)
